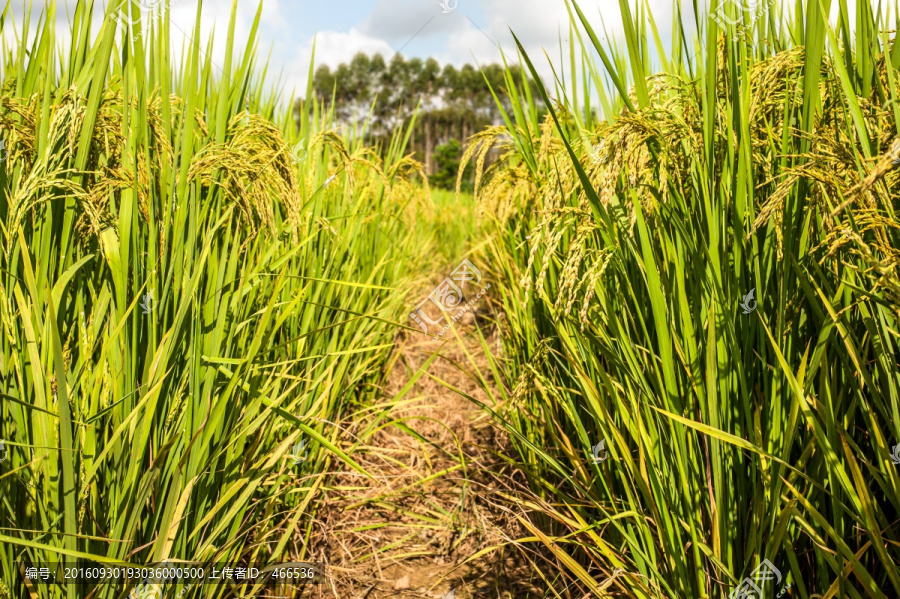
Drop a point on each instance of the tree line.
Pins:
(453, 103)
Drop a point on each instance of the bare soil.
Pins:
(433, 520)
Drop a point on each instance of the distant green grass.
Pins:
(453, 226)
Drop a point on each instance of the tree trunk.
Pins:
(429, 168)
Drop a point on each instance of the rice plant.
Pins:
(191, 288)
(701, 295)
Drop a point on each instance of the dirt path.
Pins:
(433, 503)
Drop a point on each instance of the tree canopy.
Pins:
(453, 103)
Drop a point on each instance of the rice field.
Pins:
(681, 381)
(183, 300)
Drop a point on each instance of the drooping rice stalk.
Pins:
(736, 428)
(184, 299)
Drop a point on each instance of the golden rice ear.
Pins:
(251, 167)
(177, 298)
(759, 167)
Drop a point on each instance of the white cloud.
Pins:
(214, 18)
(399, 20)
(466, 34)
(332, 49)
(539, 27)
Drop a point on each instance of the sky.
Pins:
(452, 31)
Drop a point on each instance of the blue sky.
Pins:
(468, 33)
(341, 28)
